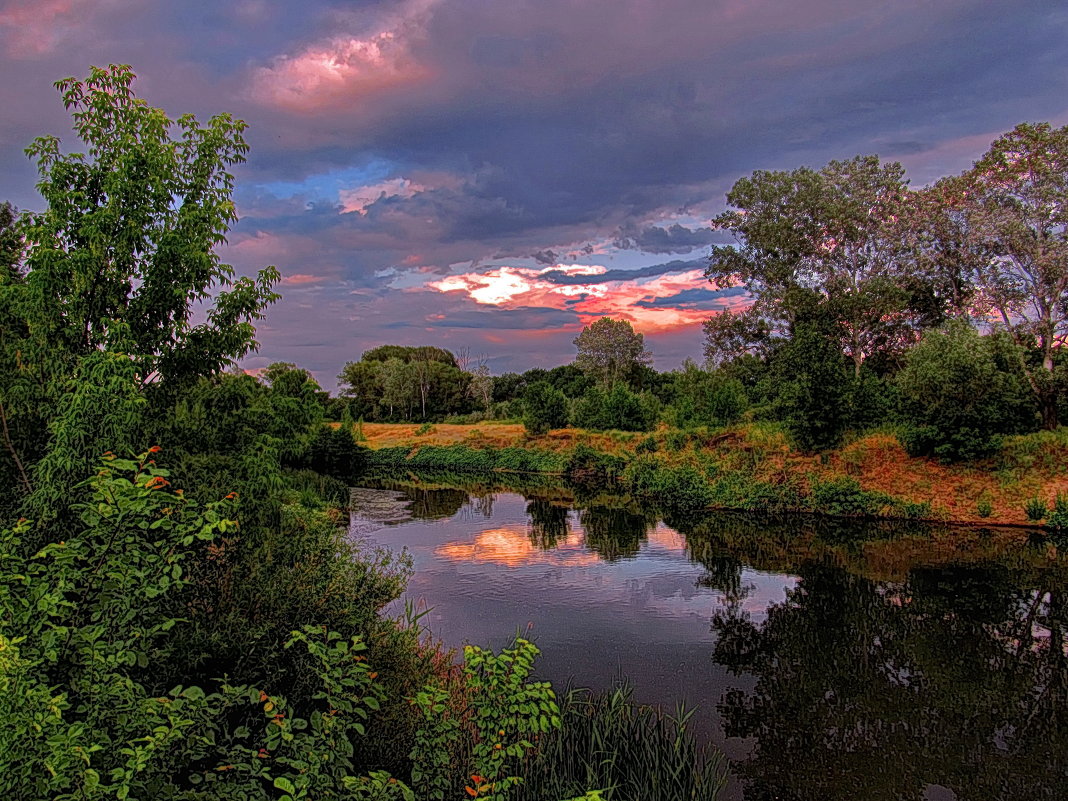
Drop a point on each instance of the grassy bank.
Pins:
(751, 467)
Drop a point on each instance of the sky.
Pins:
(492, 175)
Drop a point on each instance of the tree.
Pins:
(544, 408)
(608, 349)
(811, 374)
(959, 389)
(1013, 206)
(706, 398)
(114, 266)
(833, 232)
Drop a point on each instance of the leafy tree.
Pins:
(811, 374)
(706, 398)
(545, 408)
(395, 381)
(1012, 208)
(129, 235)
(959, 390)
(609, 349)
(116, 262)
(616, 409)
(831, 232)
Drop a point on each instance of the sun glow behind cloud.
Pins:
(644, 301)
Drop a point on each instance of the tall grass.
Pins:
(629, 751)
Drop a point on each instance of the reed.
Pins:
(626, 750)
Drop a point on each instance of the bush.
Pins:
(544, 408)
(703, 398)
(618, 409)
(844, 496)
(586, 465)
(334, 452)
(1058, 518)
(960, 390)
(1035, 509)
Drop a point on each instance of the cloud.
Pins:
(361, 198)
(673, 239)
(34, 28)
(347, 68)
(643, 299)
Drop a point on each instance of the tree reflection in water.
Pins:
(956, 676)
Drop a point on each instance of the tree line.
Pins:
(941, 312)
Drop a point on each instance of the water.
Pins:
(827, 660)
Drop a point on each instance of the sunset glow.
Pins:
(519, 287)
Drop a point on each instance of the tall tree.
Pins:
(832, 232)
(1014, 209)
(609, 349)
(114, 265)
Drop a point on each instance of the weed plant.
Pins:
(629, 751)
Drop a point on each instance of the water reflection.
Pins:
(831, 660)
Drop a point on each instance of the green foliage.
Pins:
(647, 445)
(1058, 516)
(591, 467)
(610, 350)
(812, 378)
(681, 487)
(706, 398)
(1036, 509)
(984, 507)
(394, 382)
(633, 751)
(129, 233)
(844, 496)
(959, 390)
(334, 452)
(544, 408)
(507, 712)
(80, 622)
(616, 409)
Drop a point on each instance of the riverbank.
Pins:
(752, 467)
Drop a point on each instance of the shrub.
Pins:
(984, 507)
(703, 398)
(647, 445)
(960, 390)
(1058, 517)
(334, 452)
(586, 465)
(1035, 509)
(544, 408)
(844, 496)
(618, 409)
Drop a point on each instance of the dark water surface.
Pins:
(828, 660)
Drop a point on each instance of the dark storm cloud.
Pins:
(697, 298)
(672, 239)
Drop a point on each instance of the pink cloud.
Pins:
(517, 287)
(37, 27)
(347, 68)
(300, 279)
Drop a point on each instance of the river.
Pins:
(827, 659)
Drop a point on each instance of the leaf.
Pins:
(285, 785)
